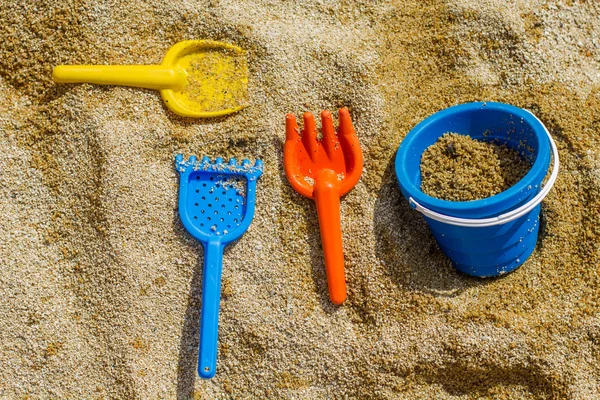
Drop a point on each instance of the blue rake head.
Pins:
(216, 200)
(216, 206)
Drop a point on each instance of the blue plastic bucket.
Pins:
(495, 235)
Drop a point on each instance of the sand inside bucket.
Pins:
(459, 168)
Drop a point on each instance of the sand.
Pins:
(100, 283)
(459, 168)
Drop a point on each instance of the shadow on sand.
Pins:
(407, 248)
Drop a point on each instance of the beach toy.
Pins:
(495, 235)
(216, 206)
(324, 171)
(197, 78)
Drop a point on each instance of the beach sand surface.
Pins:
(100, 284)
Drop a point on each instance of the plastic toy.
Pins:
(197, 78)
(495, 235)
(324, 171)
(216, 206)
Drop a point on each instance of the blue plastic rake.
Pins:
(216, 206)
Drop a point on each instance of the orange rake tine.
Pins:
(346, 127)
(291, 152)
(309, 135)
(291, 128)
(352, 154)
(330, 141)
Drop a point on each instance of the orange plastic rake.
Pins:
(324, 171)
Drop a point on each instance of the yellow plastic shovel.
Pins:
(197, 78)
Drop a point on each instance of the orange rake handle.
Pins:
(327, 197)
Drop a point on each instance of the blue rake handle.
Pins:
(211, 296)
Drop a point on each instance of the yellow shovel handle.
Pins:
(146, 76)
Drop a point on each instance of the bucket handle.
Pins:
(504, 218)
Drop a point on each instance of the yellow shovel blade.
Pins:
(217, 82)
(217, 78)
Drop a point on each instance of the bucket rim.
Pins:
(541, 162)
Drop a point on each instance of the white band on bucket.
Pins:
(504, 218)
